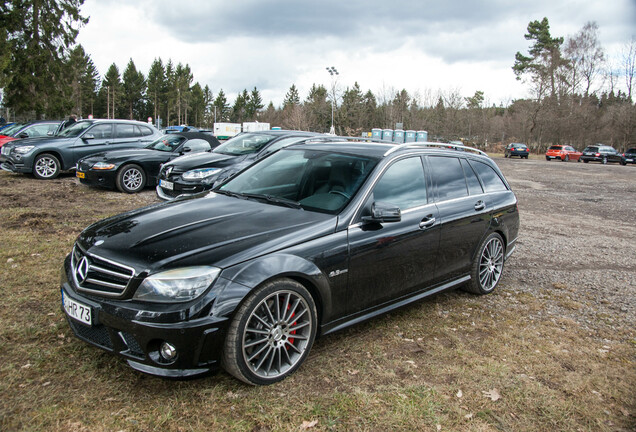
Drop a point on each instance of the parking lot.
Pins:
(554, 348)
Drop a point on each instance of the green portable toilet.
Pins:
(387, 134)
(409, 136)
(422, 136)
(398, 136)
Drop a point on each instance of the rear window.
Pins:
(631, 150)
(591, 149)
(555, 148)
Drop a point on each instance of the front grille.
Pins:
(97, 335)
(98, 275)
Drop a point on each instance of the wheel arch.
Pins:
(249, 276)
(53, 152)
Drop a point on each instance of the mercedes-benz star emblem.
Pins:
(82, 270)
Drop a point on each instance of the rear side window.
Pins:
(489, 177)
(126, 131)
(474, 187)
(448, 174)
(403, 184)
(198, 145)
(145, 131)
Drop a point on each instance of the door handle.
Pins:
(480, 205)
(427, 222)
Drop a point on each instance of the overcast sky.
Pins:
(419, 45)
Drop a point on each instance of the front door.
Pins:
(395, 259)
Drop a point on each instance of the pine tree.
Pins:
(133, 90)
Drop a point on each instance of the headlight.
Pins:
(177, 285)
(23, 149)
(201, 173)
(103, 166)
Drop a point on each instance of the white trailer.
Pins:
(255, 126)
(226, 130)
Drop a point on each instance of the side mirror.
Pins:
(383, 212)
(23, 135)
(186, 149)
(88, 136)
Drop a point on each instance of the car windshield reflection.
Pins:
(312, 180)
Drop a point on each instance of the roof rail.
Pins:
(328, 137)
(433, 144)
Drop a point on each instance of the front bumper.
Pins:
(120, 327)
(179, 189)
(102, 178)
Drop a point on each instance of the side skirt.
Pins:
(358, 318)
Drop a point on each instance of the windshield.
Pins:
(10, 130)
(244, 144)
(308, 179)
(76, 129)
(166, 143)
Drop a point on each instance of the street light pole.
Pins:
(334, 77)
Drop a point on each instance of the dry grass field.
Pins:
(553, 349)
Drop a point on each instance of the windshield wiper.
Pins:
(230, 193)
(275, 200)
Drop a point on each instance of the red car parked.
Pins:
(563, 152)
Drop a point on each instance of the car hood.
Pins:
(38, 141)
(213, 230)
(140, 154)
(205, 160)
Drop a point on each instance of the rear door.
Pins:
(393, 260)
(126, 135)
(464, 213)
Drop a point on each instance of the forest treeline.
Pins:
(578, 95)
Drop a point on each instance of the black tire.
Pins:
(585, 160)
(547, 158)
(566, 159)
(488, 266)
(46, 167)
(578, 160)
(505, 155)
(131, 179)
(271, 333)
(623, 163)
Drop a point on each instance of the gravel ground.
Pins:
(578, 225)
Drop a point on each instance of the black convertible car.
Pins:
(310, 240)
(133, 169)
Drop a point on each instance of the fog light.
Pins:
(168, 351)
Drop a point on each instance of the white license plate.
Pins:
(77, 310)
(166, 184)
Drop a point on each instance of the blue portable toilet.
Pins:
(409, 136)
(422, 136)
(387, 134)
(276, 128)
(376, 133)
(398, 136)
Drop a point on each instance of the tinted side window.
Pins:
(39, 130)
(101, 131)
(126, 131)
(145, 131)
(403, 184)
(474, 187)
(449, 176)
(491, 180)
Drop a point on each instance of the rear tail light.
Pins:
(598, 155)
(512, 149)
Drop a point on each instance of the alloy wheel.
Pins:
(46, 167)
(491, 264)
(277, 334)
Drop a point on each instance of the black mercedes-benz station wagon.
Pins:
(305, 242)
